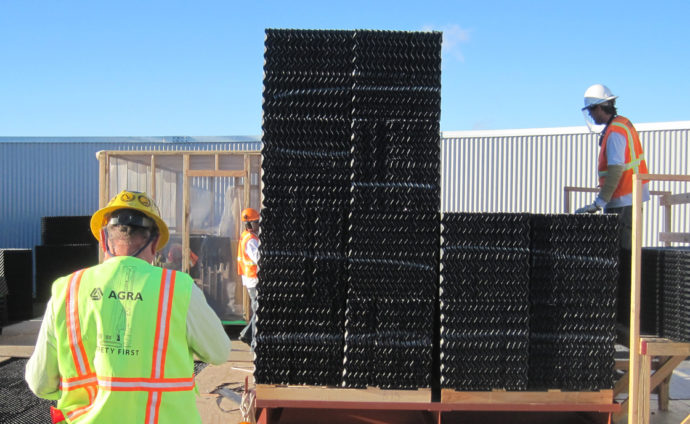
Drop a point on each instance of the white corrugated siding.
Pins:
(526, 170)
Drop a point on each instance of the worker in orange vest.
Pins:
(118, 340)
(620, 156)
(247, 267)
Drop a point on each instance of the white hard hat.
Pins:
(597, 94)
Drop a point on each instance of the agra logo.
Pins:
(96, 294)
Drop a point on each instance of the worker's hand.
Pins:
(593, 208)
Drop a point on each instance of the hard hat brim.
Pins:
(599, 101)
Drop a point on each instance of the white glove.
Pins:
(593, 208)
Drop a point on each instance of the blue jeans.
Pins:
(251, 325)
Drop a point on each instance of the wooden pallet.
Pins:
(266, 392)
(550, 400)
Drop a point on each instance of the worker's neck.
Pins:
(145, 255)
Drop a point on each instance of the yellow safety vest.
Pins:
(122, 348)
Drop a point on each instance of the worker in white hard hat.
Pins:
(620, 156)
(118, 339)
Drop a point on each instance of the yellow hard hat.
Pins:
(249, 215)
(130, 200)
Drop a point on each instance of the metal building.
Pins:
(58, 176)
(527, 170)
(522, 170)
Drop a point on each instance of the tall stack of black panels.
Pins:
(573, 301)
(668, 269)
(348, 281)
(394, 231)
(485, 281)
(306, 187)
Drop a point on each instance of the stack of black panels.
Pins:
(3, 303)
(573, 301)
(391, 299)
(668, 269)
(351, 137)
(67, 245)
(16, 267)
(306, 188)
(301, 297)
(394, 223)
(485, 263)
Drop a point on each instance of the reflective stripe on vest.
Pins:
(154, 385)
(245, 266)
(160, 345)
(81, 362)
(85, 378)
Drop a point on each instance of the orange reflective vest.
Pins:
(122, 349)
(245, 266)
(634, 156)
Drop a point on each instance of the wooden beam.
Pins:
(675, 199)
(666, 370)
(213, 173)
(550, 397)
(265, 392)
(663, 347)
(674, 237)
(663, 177)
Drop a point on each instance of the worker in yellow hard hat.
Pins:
(118, 339)
(248, 266)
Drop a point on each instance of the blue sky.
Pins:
(159, 68)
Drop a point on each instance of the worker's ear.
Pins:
(154, 245)
(104, 238)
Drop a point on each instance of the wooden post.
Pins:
(566, 199)
(634, 390)
(247, 188)
(185, 213)
(103, 187)
(152, 189)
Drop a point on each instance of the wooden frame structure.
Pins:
(186, 165)
(642, 350)
(647, 354)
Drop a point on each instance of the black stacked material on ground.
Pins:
(485, 263)
(573, 301)
(18, 405)
(16, 266)
(673, 284)
(60, 230)
(54, 261)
